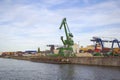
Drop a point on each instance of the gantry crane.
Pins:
(68, 43)
(115, 41)
(99, 41)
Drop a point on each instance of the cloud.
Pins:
(93, 16)
(105, 34)
(30, 25)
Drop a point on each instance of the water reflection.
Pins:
(11, 69)
(66, 72)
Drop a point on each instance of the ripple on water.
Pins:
(11, 69)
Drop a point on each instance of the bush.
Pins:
(97, 54)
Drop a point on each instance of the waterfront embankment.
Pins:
(99, 61)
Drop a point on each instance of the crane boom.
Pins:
(64, 23)
(68, 42)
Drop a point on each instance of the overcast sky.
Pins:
(29, 24)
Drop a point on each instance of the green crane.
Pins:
(68, 43)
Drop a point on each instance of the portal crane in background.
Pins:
(52, 47)
(68, 43)
(100, 41)
(115, 41)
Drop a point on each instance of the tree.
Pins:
(38, 50)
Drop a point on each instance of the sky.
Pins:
(29, 24)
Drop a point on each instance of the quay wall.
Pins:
(99, 61)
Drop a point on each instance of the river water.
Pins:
(11, 69)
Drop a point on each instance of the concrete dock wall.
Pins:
(99, 61)
(102, 61)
